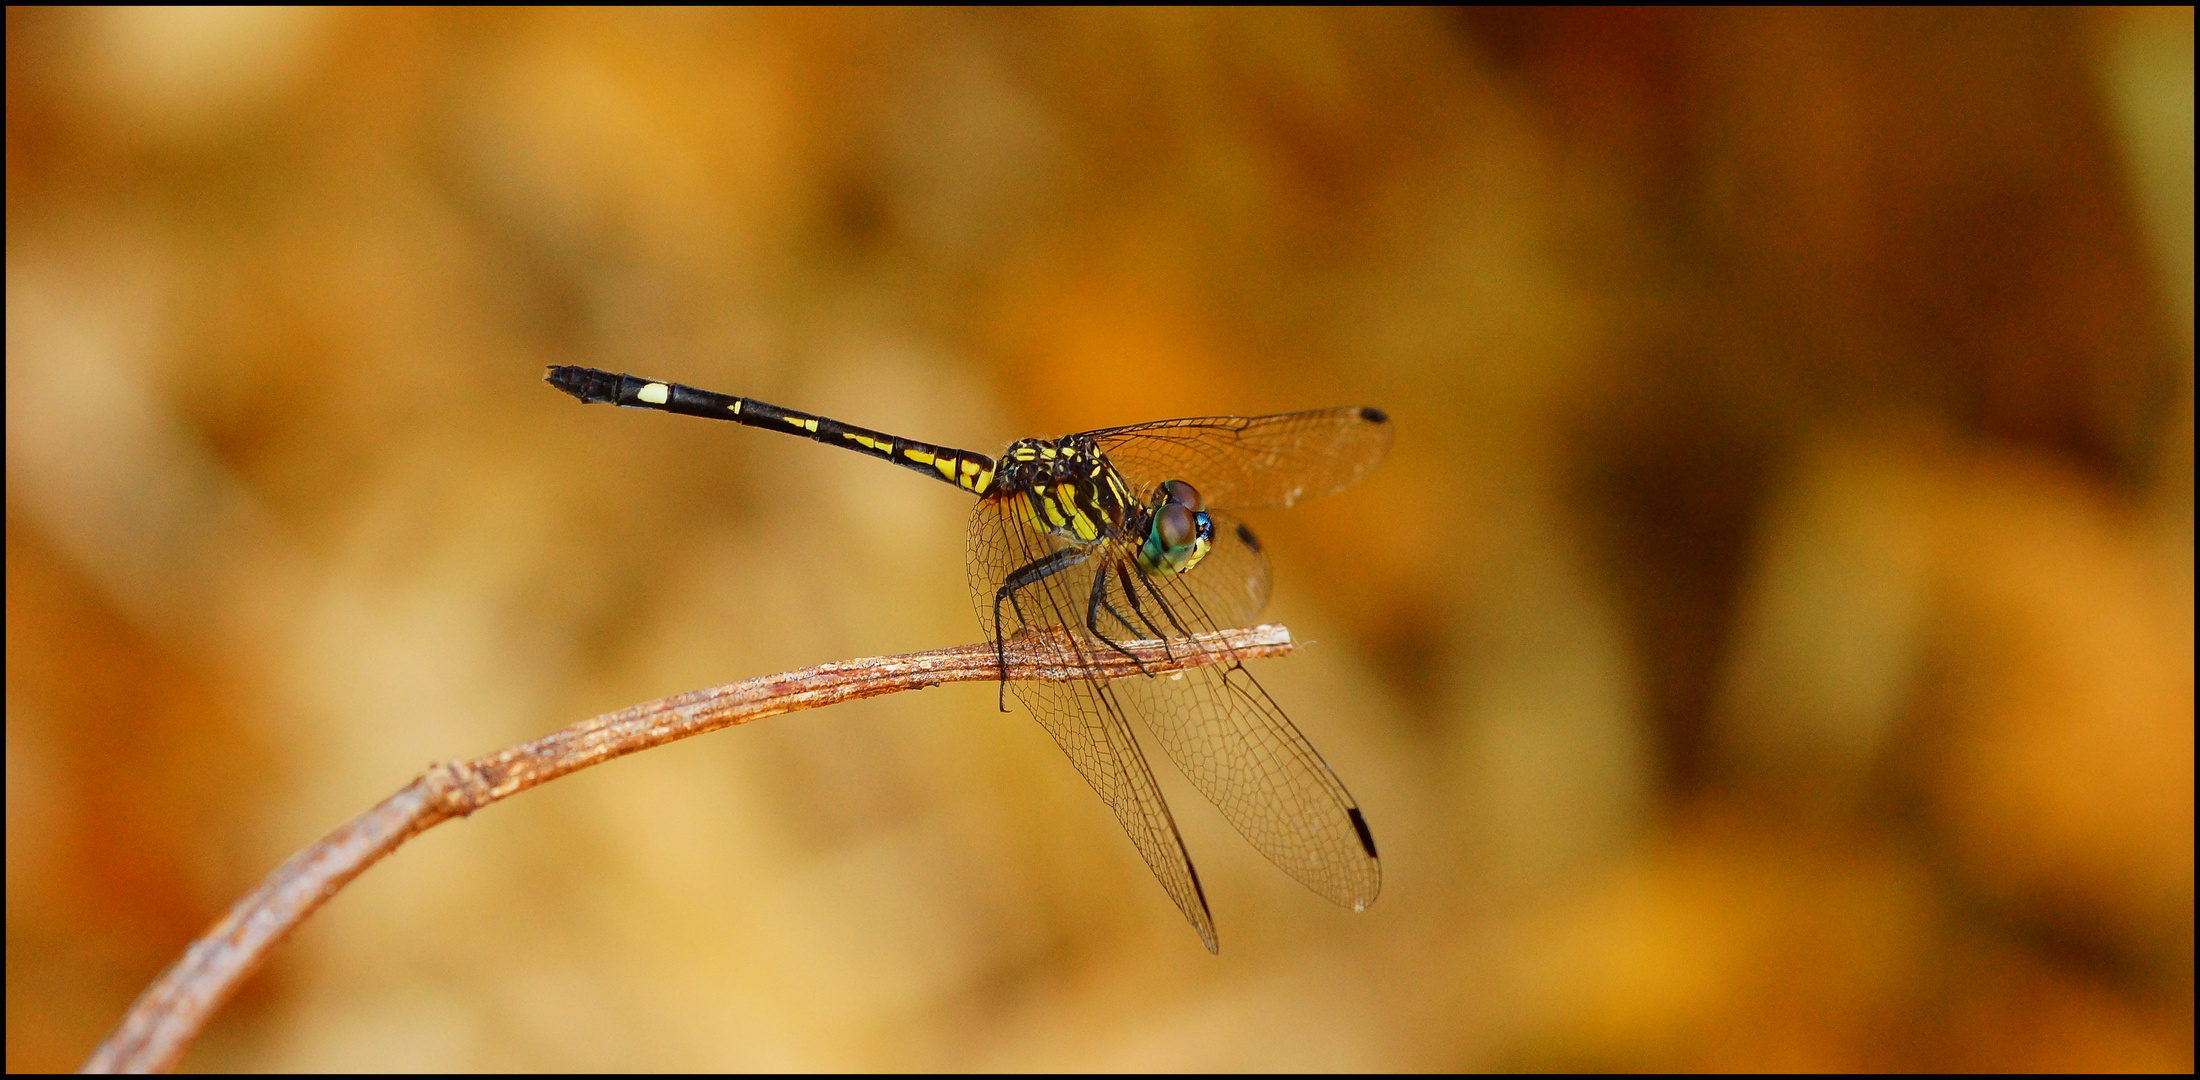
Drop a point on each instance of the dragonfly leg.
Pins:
(1030, 573)
(1161, 602)
(1099, 597)
(1092, 619)
(1123, 574)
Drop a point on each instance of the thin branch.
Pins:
(165, 1019)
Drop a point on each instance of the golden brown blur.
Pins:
(1769, 646)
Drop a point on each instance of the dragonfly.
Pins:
(1102, 538)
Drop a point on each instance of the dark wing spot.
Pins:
(1359, 824)
(1246, 535)
(1214, 948)
(1374, 415)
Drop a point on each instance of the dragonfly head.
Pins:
(1179, 532)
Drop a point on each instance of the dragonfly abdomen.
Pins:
(972, 472)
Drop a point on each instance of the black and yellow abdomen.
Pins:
(970, 471)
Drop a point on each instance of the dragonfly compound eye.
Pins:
(1182, 494)
(1177, 539)
(1175, 527)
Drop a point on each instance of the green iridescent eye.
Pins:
(1178, 536)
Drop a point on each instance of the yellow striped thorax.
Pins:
(1066, 488)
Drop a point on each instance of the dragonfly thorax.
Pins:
(1068, 487)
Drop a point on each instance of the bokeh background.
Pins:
(1769, 645)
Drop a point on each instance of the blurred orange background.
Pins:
(1769, 645)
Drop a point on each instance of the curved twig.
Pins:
(164, 1019)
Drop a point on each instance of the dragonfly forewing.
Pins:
(1240, 462)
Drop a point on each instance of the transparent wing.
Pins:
(1243, 461)
(1085, 718)
(1215, 722)
(1235, 744)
